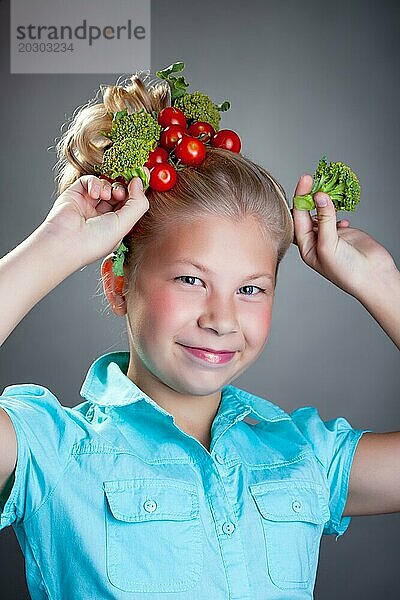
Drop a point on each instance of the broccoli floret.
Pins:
(199, 107)
(140, 125)
(134, 136)
(124, 158)
(335, 179)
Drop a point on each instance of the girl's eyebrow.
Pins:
(204, 269)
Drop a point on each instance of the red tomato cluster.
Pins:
(188, 144)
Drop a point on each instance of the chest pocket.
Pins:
(293, 514)
(154, 535)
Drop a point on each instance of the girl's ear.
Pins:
(114, 296)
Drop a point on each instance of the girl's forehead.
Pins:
(214, 229)
(214, 241)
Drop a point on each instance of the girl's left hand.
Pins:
(348, 257)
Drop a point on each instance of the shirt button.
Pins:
(150, 506)
(219, 459)
(228, 528)
(296, 505)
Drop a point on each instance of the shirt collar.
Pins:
(106, 384)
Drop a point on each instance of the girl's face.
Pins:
(206, 285)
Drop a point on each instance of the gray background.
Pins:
(304, 79)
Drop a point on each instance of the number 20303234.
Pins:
(45, 47)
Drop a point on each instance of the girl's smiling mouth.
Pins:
(208, 355)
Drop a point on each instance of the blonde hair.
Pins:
(226, 184)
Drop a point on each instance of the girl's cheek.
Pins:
(166, 305)
(162, 304)
(262, 322)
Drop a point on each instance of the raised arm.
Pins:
(86, 222)
(381, 298)
(358, 264)
(32, 270)
(350, 258)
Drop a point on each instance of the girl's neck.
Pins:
(192, 414)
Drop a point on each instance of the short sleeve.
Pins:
(45, 435)
(334, 443)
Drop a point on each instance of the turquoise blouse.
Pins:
(110, 499)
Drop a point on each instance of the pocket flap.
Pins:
(291, 501)
(151, 499)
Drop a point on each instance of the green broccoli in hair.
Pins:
(196, 106)
(335, 179)
(133, 137)
(199, 107)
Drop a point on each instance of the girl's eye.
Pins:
(253, 287)
(190, 280)
(187, 277)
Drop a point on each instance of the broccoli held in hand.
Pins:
(335, 179)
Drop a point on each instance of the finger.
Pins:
(89, 184)
(327, 232)
(104, 203)
(118, 195)
(118, 191)
(303, 224)
(105, 191)
(341, 223)
(135, 206)
(111, 200)
(95, 188)
(98, 188)
(304, 185)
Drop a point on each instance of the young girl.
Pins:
(167, 479)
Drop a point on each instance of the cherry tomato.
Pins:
(202, 129)
(106, 178)
(162, 177)
(171, 116)
(190, 150)
(171, 136)
(158, 155)
(228, 139)
(121, 180)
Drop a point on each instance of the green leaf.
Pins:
(178, 87)
(118, 115)
(118, 259)
(174, 68)
(140, 172)
(224, 106)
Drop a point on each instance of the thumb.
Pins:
(134, 208)
(326, 213)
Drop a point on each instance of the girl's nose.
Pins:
(220, 315)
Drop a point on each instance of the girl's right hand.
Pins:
(92, 216)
